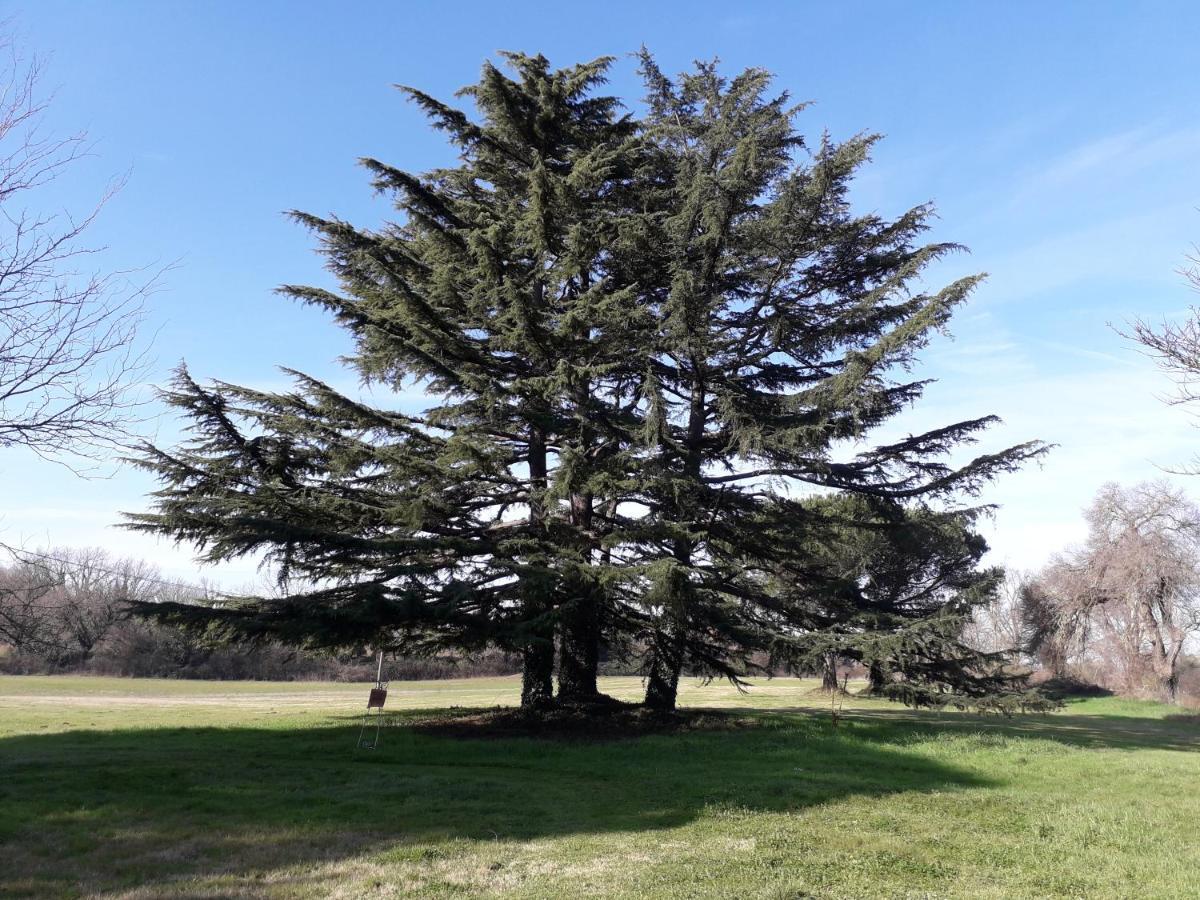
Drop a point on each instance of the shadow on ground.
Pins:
(166, 809)
(109, 810)
(1181, 732)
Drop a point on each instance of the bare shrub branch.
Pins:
(69, 358)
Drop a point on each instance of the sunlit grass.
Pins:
(157, 788)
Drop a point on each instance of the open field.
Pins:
(123, 788)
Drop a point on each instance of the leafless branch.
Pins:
(69, 355)
(1128, 601)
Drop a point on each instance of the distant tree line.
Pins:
(65, 610)
(657, 346)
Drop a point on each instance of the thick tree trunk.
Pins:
(579, 649)
(537, 652)
(579, 629)
(668, 643)
(1165, 659)
(876, 679)
(1170, 688)
(537, 673)
(829, 673)
(580, 621)
(662, 676)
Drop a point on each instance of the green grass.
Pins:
(168, 788)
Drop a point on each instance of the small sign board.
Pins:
(377, 699)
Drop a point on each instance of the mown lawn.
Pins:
(123, 788)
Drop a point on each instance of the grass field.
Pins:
(122, 788)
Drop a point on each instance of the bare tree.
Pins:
(1129, 599)
(61, 604)
(997, 627)
(25, 609)
(94, 590)
(68, 351)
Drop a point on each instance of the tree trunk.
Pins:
(1164, 659)
(666, 663)
(537, 650)
(876, 679)
(537, 673)
(579, 631)
(579, 648)
(666, 654)
(1170, 687)
(829, 673)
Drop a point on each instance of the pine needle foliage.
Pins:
(785, 326)
(648, 343)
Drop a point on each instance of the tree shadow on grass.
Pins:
(1179, 732)
(195, 811)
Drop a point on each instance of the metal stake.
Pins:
(375, 701)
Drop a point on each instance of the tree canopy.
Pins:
(656, 347)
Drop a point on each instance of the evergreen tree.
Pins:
(893, 587)
(786, 325)
(471, 523)
(644, 335)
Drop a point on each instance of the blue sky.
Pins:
(1059, 142)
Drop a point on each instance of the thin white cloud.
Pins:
(1124, 153)
(1145, 247)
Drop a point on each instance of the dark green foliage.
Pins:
(892, 588)
(441, 529)
(642, 335)
(783, 321)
